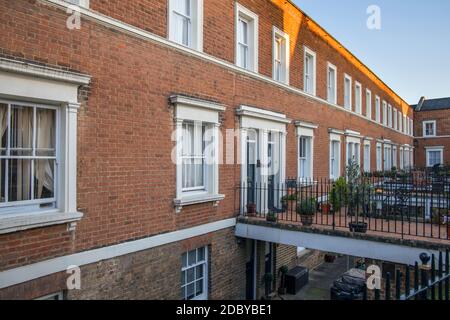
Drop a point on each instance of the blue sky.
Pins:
(411, 52)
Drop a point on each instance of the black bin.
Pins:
(296, 279)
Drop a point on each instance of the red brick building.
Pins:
(127, 126)
(432, 132)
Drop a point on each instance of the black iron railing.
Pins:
(413, 204)
(422, 282)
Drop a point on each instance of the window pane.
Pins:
(21, 130)
(191, 291)
(183, 278)
(45, 132)
(192, 257)
(44, 177)
(199, 287)
(199, 272)
(3, 128)
(184, 260)
(190, 273)
(19, 180)
(201, 254)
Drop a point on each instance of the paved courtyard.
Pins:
(320, 280)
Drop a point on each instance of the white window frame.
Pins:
(390, 123)
(439, 149)
(306, 130)
(367, 157)
(358, 97)
(348, 95)
(401, 159)
(411, 127)
(405, 125)
(335, 138)
(189, 109)
(81, 3)
(53, 296)
(379, 157)
(196, 40)
(309, 53)
(385, 116)
(387, 157)
(33, 204)
(30, 83)
(284, 77)
(400, 121)
(424, 124)
(252, 20)
(394, 157)
(330, 66)
(205, 278)
(353, 149)
(395, 118)
(368, 104)
(377, 109)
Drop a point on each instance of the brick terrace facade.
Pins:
(126, 180)
(440, 140)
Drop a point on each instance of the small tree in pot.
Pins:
(268, 279)
(307, 208)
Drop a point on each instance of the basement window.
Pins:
(194, 274)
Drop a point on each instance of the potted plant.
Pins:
(272, 217)
(307, 208)
(325, 207)
(251, 209)
(338, 194)
(289, 202)
(283, 271)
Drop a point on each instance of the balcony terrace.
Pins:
(407, 209)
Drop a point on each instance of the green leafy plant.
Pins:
(338, 194)
(307, 207)
(272, 217)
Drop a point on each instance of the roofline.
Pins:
(349, 52)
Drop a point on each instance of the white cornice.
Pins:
(262, 114)
(308, 125)
(36, 70)
(335, 131)
(194, 102)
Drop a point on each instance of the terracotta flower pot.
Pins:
(307, 220)
(326, 208)
(251, 210)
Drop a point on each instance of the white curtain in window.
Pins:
(21, 145)
(45, 144)
(3, 128)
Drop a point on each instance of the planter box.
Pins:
(358, 227)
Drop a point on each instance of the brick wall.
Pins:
(442, 118)
(126, 180)
(138, 275)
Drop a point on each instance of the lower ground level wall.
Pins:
(150, 274)
(235, 269)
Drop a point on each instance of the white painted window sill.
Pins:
(22, 221)
(197, 199)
